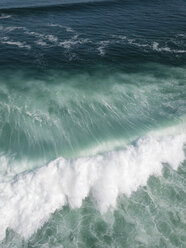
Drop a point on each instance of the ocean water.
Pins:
(92, 124)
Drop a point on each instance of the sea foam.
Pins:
(27, 202)
(3, 16)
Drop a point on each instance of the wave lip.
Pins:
(27, 202)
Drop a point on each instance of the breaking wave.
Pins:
(27, 202)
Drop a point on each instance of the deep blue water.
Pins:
(65, 33)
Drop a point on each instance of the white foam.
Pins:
(155, 46)
(12, 28)
(41, 43)
(122, 37)
(73, 42)
(128, 40)
(49, 37)
(55, 25)
(16, 43)
(68, 29)
(28, 201)
(102, 46)
(35, 34)
(3, 16)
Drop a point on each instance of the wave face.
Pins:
(92, 124)
(81, 114)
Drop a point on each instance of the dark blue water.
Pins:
(64, 33)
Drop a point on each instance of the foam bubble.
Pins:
(27, 202)
(15, 43)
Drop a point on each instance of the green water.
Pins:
(77, 114)
(92, 124)
(84, 114)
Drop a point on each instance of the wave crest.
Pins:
(28, 201)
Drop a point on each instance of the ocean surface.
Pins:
(92, 124)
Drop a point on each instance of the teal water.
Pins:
(92, 124)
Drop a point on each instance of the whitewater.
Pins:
(92, 124)
(31, 197)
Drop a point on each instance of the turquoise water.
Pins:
(92, 124)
